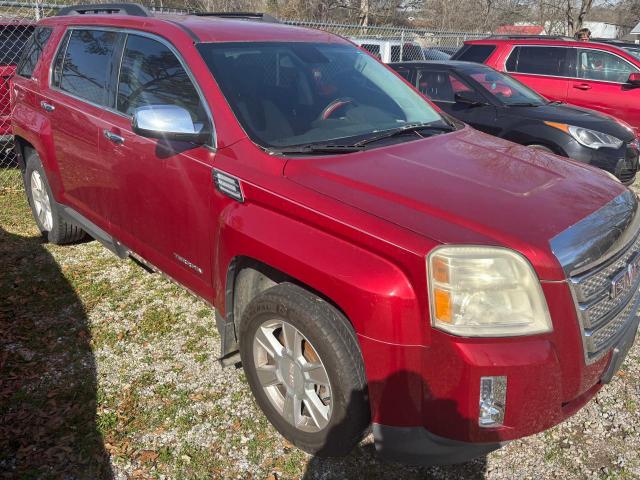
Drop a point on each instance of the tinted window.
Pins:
(287, 94)
(12, 42)
(474, 53)
(539, 60)
(32, 51)
(151, 74)
(599, 65)
(87, 65)
(440, 86)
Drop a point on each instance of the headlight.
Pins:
(588, 138)
(485, 292)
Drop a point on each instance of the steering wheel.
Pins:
(334, 106)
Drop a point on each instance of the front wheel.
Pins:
(305, 369)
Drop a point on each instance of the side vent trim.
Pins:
(228, 185)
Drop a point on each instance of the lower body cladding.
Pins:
(462, 398)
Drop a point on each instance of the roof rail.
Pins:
(133, 9)
(528, 37)
(263, 17)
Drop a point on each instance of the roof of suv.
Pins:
(203, 28)
(544, 41)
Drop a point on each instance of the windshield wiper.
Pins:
(405, 129)
(328, 148)
(525, 104)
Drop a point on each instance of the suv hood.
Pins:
(465, 187)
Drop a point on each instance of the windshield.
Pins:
(287, 94)
(505, 89)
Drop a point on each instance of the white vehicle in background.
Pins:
(390, 50)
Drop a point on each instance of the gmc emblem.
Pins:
(626, 277)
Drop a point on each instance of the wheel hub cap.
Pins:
(292, 375)
(41, 202)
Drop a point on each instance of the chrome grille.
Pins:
(603, 318)
(592, 283)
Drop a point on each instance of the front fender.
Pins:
(374, 293)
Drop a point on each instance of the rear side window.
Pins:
(85, 66)
(13, 39)
(32, 51)
(151, 74)
(539, 60)
(474, 53)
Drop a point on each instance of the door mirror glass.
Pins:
(168, 122)
(634, 79)
(469, 97)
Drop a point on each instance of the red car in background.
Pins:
(594, 75)
(14, 33)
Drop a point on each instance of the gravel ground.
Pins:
(108, 371)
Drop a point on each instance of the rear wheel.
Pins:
(305, 369)
(45, 210)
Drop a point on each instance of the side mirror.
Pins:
(470, 98)
(634, 79)
(168, 122)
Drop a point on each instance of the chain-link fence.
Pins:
(17, 20)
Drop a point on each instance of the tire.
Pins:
(45, 210)
(326, 339)
(542, 148)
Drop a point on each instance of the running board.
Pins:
(96, 232)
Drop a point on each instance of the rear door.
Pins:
(545, 69)
(163, 208)
(602, 85)
(81, 90)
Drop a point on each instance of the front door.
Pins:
(602, 85)
(165, 188)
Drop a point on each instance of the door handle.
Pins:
(47, 106)
(582, 86)
(117, 139)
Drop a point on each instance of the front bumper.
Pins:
(425, 400)
(621, 162)
(417, 446)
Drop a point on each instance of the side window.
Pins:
(474, 53)
(439, 86)
(599, 65)
(539, 60)
(151, 74)
(405, 73)
(86, 65)
(32, 51)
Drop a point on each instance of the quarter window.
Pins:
(474, 53)
(599, 65)
(539, 60)
(151, 74)
(32, 51)
(86, 65)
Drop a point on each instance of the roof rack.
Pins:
(133, 9)
(263, 17)
(528, 37)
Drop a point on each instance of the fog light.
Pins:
(493, 393)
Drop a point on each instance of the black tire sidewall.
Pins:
(351, 414)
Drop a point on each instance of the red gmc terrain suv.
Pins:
(594, 75)
(371, 261)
